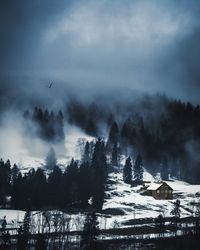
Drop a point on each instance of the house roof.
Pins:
(155, 186)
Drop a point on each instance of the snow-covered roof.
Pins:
(155, 186)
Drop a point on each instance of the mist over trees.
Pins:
(49, 126)
(51, 160)
(164, 131)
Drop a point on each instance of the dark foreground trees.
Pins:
(90, 232)
(57, 189)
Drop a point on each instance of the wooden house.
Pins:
(160, 191)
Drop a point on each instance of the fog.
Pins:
(109, 52)
(26, 149)
(92, 46)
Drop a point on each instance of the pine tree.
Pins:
(39, 185)
(59, 126)
(54, 187)
(26, 227)
(40, 243)
(99, 173)
(7, 176)
(115, 159)
(138, 170)
(91, 128)
(113, 137)
(176, 209)
(86, 153)
(26, 223)
(90, 231)
(17, 192)
(127, 171)
(51, 160)
(84, 183)
(2, 183)
(72, 176)
(164, 169)
(14, 173)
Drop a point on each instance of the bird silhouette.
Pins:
(50, 85)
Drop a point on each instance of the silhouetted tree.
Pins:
(176, 212)
(113, 137)
(84, 183)
(90, 231)
(138, 169)
(127, 171)
(54, 187)
(14, 173)
(39, 186)
(26, 227)
(51, 159)
(86, 153)
(40, 243)
(99, 173)
(91, 128)
(115, 159)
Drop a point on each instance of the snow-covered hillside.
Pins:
(124, 202)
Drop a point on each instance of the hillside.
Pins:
(124, 203)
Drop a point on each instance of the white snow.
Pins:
(127, 199)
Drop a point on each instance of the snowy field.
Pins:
(129, 204)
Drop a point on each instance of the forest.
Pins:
(166, 132)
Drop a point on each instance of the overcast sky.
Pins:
(99, 46)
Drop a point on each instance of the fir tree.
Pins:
(59, 126)
(115, 159)
(54, 187)
(86, 153)
(14, 173)
(40, 243)
(90, 231)
(98, 174)
(176, 209)
(84, 184)
(91, 128)
(127, 171)
(113, 136)
(176, 212)
(164, 169)
(51, 160)
(26, 227)
(26, 223)
(138, 169)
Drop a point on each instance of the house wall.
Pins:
(163, 193)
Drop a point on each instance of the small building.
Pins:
(160, 191)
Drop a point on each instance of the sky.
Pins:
(98, 46)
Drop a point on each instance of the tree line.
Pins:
(71, 188)
(49, 126)
(166, 132)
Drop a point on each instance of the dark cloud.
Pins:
(98, 46)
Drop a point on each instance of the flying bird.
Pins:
(50, 85)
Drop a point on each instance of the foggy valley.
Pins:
(99, 124)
